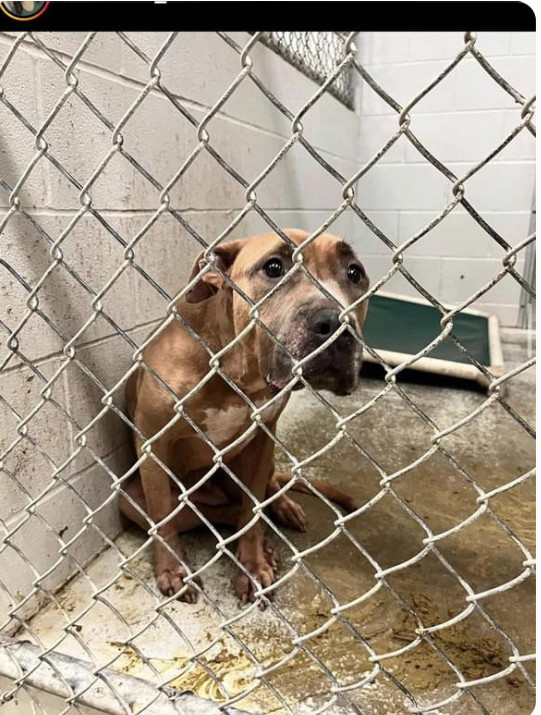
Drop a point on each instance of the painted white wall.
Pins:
(460, 122)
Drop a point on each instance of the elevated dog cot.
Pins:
(399, 327)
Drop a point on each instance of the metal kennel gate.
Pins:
(25, 660)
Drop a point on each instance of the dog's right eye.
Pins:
(274, 268)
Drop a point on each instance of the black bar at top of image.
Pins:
(189, 15)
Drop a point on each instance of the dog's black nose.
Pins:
(324, 322)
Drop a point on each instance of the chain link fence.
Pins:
(316, 54)
(31, 657)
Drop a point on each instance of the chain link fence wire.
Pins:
(316, 55)
(527, 301)
(27, 659)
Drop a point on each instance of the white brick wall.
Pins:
(460, 122)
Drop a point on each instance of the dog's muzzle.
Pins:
(336, 368)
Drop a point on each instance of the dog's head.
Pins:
(303, 313)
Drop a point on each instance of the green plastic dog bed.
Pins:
(398, 327)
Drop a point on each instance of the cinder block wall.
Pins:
(54, 238)
(461, 121)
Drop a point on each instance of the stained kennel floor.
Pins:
(492, 448)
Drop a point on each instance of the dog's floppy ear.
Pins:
(211, 281)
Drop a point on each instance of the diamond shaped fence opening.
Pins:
(124, 172)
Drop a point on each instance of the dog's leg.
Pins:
(254, 466)
(170, 562)
(185, 520)
(285, 510)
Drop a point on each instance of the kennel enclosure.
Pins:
(133, 153)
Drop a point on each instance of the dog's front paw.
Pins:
(262, 570)
(171, 581)
(264, 575)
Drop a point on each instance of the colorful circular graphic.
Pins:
(25, 10)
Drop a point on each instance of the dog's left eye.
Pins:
(355, 273)
(274, 268)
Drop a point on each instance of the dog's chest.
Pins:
(222, 425)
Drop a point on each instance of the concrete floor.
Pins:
(493, 449)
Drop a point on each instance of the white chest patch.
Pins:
(223, 425)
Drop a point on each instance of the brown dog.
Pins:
(302, 318)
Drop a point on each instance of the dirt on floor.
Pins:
(440, 491)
